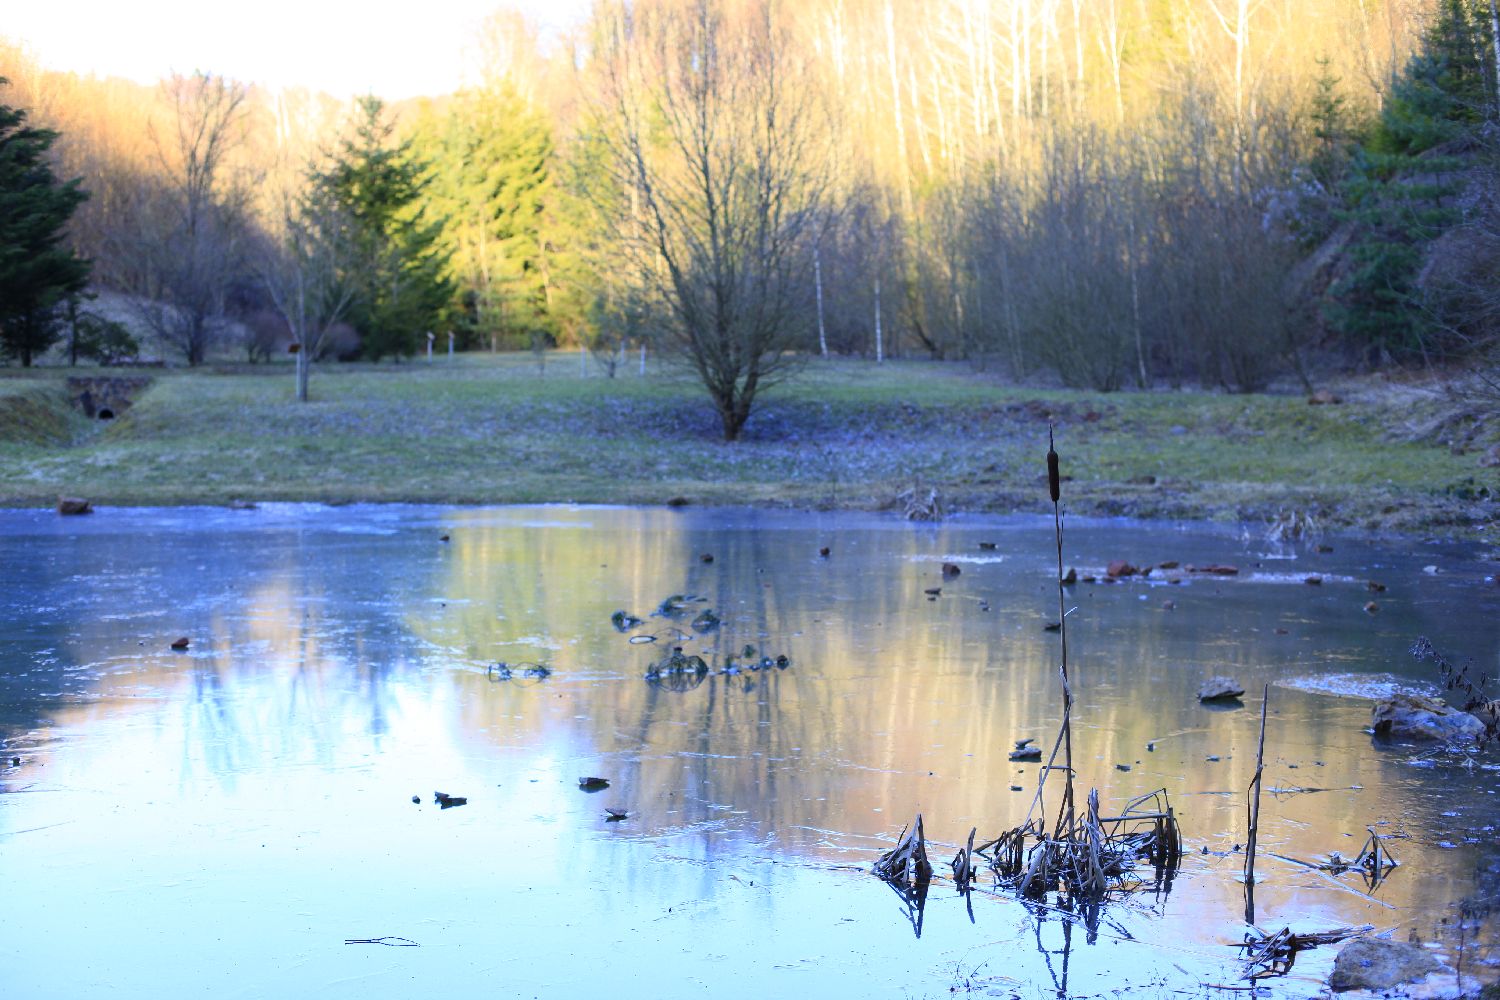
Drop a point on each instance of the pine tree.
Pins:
(491, 182)
(37, 270)
(1401, 183)
(398, 263)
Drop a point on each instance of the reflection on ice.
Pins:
(225, 818)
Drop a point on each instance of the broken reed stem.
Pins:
(1054, 489)
(1254, 807)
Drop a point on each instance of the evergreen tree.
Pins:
(398, 264)
(1446, 88)
(1401, 186)
(491, 183)
(37, 271)
(1331, 128)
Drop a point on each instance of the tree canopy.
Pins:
(38, 270)
(397, 261)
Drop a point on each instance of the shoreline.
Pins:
(1392, 461)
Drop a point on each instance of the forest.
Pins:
(1103, 193)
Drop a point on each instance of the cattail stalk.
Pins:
(1054, 489)
(1260, 757)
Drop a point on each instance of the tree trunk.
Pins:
(1495, 43)
(818, 282)
(304, 366)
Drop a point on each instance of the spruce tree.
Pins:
(491, 183)
(398, 263)
(37, 270)
(1402, 182)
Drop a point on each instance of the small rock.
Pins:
(677, 502)
(1026, 753)
(1323, 548)
(950, 571)
(1119, 568)
(1168, 605)
(74, 505)
(706, 558)
(1419, 718)
(1282, 631)
(1374, 588)
(1212, 758)
(1052, 626)
(614, 815)
(1371, 607)
(445, 538)
(180, 643)
(1070, 577)
(1151, 747)
(593, 784)
(1122, 767)
(1215, 569)
(824, 552)
(987, 546)
(1313, 581)
(1168, 564)
(933, 591)
(1220, 688)
(1017, 788)
(1430, 570)
(416, 800)
(1376, 964)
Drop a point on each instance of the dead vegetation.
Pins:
(1082, 857)
(1272, 955)
(1472, 688)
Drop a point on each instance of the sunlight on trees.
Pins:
(1109, 192)
(714, 184)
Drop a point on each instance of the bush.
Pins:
(103, 340)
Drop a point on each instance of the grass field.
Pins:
(482, 429)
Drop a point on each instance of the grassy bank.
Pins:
(842, 434)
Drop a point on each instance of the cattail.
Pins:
(1054, 480)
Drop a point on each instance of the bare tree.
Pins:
(188, 240)
(707, 130)
(306, 272)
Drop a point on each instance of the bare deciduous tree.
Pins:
(306, 274)
(187, 241)
(708, 131)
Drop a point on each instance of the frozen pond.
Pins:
(220, 821)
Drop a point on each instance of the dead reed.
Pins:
(906, 864)
(1083, 856)
(1254, 810)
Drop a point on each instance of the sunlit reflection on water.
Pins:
(222, 820)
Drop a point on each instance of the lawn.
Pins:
(483, 429)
